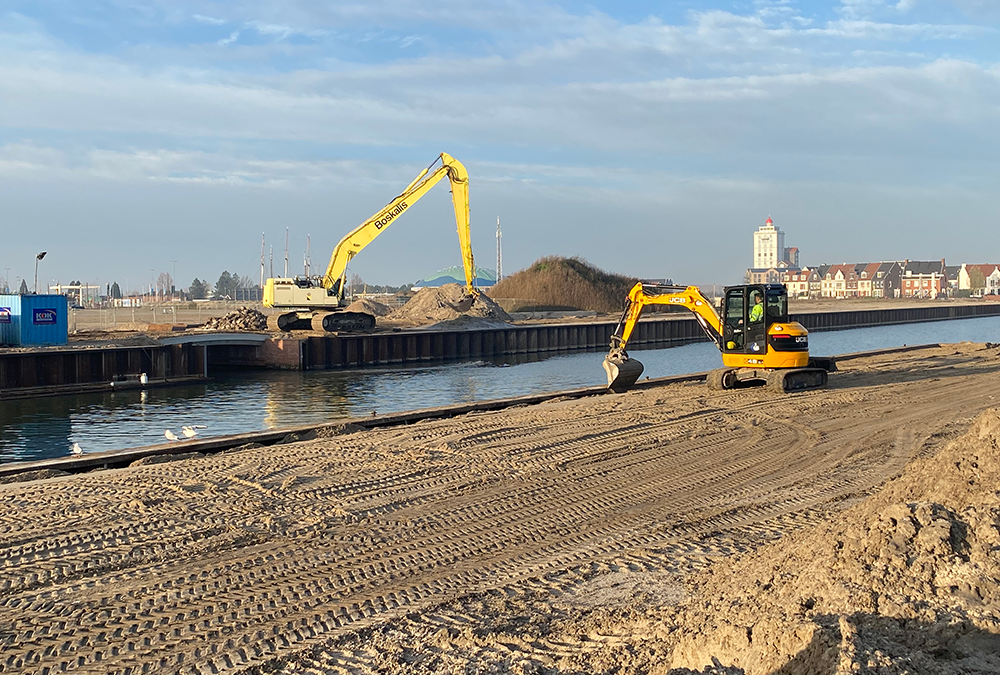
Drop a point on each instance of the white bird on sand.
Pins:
(192, 431)
(171, 436)
(76, 449)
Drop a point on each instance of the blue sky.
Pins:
(649, 138)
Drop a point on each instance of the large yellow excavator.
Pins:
(316, 302)
(758, 342)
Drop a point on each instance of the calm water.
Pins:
(233, 403)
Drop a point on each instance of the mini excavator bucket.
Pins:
(622, 372)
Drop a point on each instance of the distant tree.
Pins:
(116, 291)
(977, 280)
(226, 285)
(199, 289)
(357, 284)
(23, 290)
(164, 283)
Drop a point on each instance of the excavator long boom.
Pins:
(364, 234)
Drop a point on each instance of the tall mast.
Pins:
(262, 260)
(499, 252)
(286, 252)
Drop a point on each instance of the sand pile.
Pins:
(243, 319)
(556, 283)
(368, 306)
(446, 307)
(906, 582)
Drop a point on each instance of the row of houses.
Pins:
(893, 279)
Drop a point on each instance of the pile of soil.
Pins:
(555, 282)
(369, 306)
(242, 319)
(908, 581)
(449, 303)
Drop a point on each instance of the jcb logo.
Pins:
(801, 338)
(679, 301)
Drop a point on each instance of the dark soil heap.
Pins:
(555, 282)
(906, 582)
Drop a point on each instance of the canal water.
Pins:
(241, 402)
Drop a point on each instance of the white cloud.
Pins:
(233, 37)
(210, 20)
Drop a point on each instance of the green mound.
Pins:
(557, 283)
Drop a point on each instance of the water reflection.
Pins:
(242, 402)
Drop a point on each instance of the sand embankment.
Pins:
(628, 533)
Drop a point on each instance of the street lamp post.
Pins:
(37, 258)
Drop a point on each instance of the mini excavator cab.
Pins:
(747, 314)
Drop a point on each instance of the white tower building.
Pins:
(768, 245)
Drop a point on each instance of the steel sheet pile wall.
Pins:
(54, 371)
(33, 320)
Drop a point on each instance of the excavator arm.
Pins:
(364, 234)
(622, 371)
(689, 297)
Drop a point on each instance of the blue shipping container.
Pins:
(33, 320)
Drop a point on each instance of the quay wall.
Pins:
(352, 351)
(26, 373)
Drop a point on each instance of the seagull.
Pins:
(171, 436)
(76, 449)
(192, 431)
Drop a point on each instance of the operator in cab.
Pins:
(757, 311)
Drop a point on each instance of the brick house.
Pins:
(840, 281)
(924, 279)
(800, 283)
(887, 280)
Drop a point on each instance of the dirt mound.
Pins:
(554, 282)
(369, 306)
(242, 319)
(446, 303)
(906, 582)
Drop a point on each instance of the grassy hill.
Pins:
(554, 283)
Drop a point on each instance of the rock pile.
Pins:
(906, 582)
(448, 303)
(244, 319)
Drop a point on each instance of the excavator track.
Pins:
(333, 322)
(796, 379)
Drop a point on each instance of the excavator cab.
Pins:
(748, 312)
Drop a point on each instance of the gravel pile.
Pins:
(243, 319)
(446, 303)
(369, 306)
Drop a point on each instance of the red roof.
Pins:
(769, 221)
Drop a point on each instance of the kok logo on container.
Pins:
(4, 314)
(44, 317)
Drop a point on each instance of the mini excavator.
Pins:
(317, 302)
(759, 344)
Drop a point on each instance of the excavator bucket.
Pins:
(622, 373)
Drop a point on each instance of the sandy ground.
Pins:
(626, 533)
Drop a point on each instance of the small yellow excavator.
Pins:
(316, 302)
(758, 343)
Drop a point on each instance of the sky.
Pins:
(650, 138)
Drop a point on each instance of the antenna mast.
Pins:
(286, 252)
(499, 252)
(262, 260)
